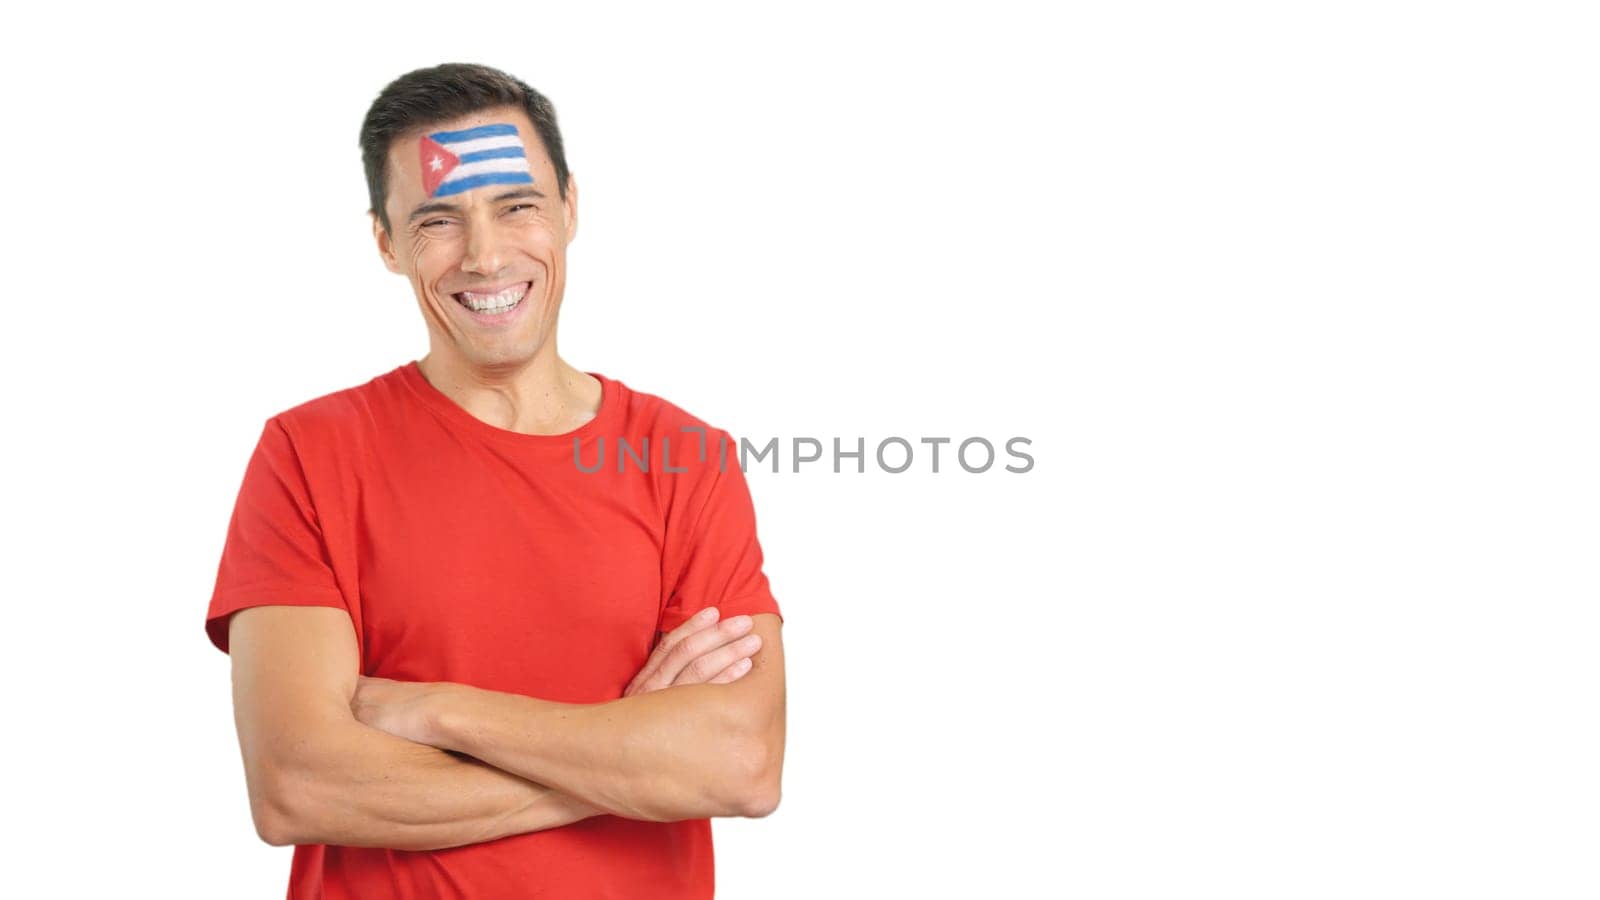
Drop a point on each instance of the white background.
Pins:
(1295, 301)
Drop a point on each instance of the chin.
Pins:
(501, 357)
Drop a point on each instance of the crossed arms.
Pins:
(335, 758)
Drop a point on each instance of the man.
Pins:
(498, 626)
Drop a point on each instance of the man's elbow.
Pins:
(275, 832)
(761, 801)
(761, 787)
(271, 812)
(293, 798)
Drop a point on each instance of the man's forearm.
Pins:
(356, 786)
(680, 753)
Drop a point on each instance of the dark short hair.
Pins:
(449, 91)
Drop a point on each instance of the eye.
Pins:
(520, 206)
(433, 222)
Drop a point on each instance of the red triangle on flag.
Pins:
(436, 163)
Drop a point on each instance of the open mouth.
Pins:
(497, 303)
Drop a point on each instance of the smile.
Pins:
(501, 301)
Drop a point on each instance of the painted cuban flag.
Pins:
(456, 161)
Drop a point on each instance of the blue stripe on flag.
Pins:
(470, 134)
(472, 181)
(496, 153)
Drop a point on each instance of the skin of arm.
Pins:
(690, 751)
(317, 775)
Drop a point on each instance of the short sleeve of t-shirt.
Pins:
(715, 560)
(274, 554)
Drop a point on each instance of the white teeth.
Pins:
(494, 303)
(489, 307)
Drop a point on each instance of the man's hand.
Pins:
(402, 708)
(700, 651)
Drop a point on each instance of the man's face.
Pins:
(478, 226)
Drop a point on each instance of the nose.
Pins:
(484, 253)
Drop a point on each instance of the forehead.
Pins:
(454, 156)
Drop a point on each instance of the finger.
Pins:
(698, 622)
(708, 665)
(733, 672)
(699, 644)
(701, 620)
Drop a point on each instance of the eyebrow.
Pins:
(439, 206)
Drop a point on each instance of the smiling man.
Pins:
(465, 664)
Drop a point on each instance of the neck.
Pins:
(542, 395)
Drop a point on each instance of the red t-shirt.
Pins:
(468, 553)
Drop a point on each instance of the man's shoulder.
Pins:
(652, 414)
(339, 415)
(678, 439)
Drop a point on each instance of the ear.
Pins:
(385, 246)
(571, 206)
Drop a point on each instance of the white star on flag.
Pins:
(437, 164)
